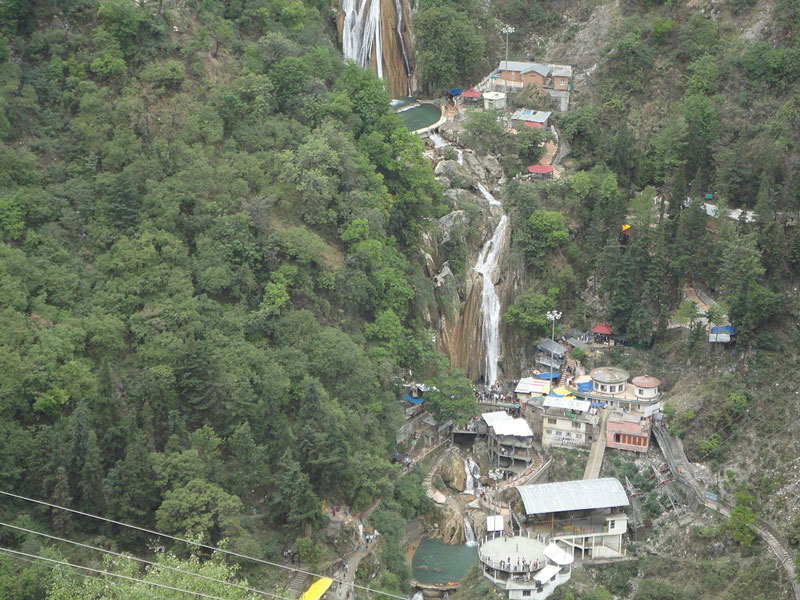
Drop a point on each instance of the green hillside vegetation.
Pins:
(208, 283)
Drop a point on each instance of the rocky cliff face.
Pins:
(376, 33)
(478, 181)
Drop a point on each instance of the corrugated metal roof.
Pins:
(546, 574)
(547, 345)
(514, 427)
(584, 494)
(525, 67)
(495, 418)
(528, 385)
(558, 555)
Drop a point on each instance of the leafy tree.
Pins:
(529, 313)
(202, 509)
(448, 47)
(546, 231)
(451, 397)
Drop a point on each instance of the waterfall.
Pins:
(488, 195)
(437, 140)
(362, 31)
(469, 534)
(418, 596)
(406, 63)
(460, 156)
(490, 303)
(473, 474)
(469, 481)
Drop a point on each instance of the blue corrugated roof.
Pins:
(412, 400)
(553, 375)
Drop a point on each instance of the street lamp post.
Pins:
(552, 316)
(508, 30)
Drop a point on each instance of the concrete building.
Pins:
(609, 386)
(628, 431)
(568, 423)
(494, 100)
(518, 74)
(526, 567)
(586, 516)
(645, 387)
(510, 442)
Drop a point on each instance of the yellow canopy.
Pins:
(626, 227)
(319, 587)
(561, 391)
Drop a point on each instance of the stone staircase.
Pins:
(298, 584)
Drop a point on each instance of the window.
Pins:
(526, 592)
(611, 524)
(616, 437)
(576, 425)
(641, 392)
(552, 421)
(602, 388)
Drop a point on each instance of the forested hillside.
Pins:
(208, 275)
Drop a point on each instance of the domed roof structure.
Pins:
(610, 375)
(646, 381)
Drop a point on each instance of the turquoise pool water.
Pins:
(437, 562)
(417, 117)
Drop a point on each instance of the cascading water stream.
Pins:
(490, 304)
(469, 534)
(469, 480)
(437, 140)
(406, 64)
(488, 195)
(418, 596)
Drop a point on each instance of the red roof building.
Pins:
(533, 124)
(603, 328)
(471, 93)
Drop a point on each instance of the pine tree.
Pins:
(60, 495)
(78, 440)
(91, 482)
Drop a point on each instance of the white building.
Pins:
(568, 422)
(585, 516)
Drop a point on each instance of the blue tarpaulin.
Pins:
(412, 400)
(597, 405)
(553, 375)
(723, 329)
(454, 91)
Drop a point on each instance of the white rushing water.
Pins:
(490, 303)
(418, 596)
(488, 195)
(362, 31)
(437, 140)
(469, 481)
(469, 534)
(473, 473)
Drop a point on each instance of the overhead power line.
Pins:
(109, 574)
(201, 545)
(147, 562)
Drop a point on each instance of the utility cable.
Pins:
(107, 573)
(201, 545)
(142, 560)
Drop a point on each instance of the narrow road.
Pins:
(683, 471)
(598, 450)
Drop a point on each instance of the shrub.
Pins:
(164, 75)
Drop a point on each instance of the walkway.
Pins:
(346, 578)
(683, 471)
(598, 450)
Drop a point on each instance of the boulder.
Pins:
(474, 166)
(492, 167)
(452, 472)
(343, 535)
(448, 222)
(454, 172)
